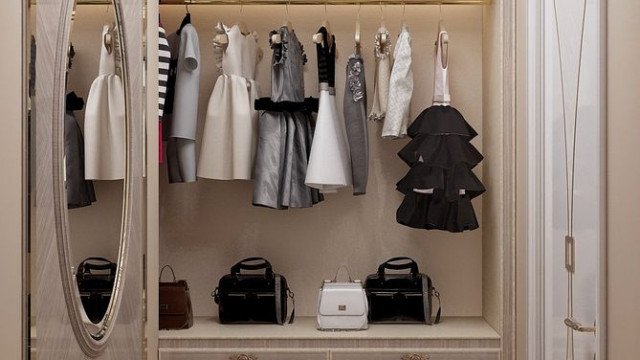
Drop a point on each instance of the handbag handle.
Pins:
(262, 264)
(408, 263)
(335, 278)
(162, 271)
(86, 266)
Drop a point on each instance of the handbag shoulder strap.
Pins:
(278, 290)
(427, 291)
(291, 295)
(170, 269)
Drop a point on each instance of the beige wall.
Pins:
(623, 177)
(11, 181)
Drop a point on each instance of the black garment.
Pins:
(327, 58)
(80, 192)
(441, 158)
(309, 105)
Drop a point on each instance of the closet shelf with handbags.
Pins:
(292, 110)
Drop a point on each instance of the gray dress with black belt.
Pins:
(285, 131)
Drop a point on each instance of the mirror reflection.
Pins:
(94, 135)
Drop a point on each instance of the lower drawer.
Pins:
(233, 354)
(434, 354)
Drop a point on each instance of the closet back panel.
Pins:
(208, 225)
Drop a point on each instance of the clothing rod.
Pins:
(301, 2)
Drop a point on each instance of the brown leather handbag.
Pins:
(175, 303)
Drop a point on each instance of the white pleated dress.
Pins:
(230, 134)
(104, 121)
(329, 165)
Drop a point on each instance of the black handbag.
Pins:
(401, 298)
(253, 298)
(95, 278)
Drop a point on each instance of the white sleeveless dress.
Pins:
(229, 139)
(104, 122)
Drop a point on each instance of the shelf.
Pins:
(304, 328)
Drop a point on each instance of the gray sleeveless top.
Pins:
(287, 81)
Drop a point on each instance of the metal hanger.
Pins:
(357, 35)
(443, 38)
(244, 29)
(287, 21)
(187, 18)
(404, 11)
(318, 38)
(277, 38)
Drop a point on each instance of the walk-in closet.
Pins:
(201, 223)
(206, 226)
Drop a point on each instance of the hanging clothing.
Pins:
(230, 132)
(285, 131)
(382, 73)
(80, 192)
(181, 147)
(173, 40)
(104, 122)
(355, 117)
(329, 163)
(400, 89)
(440, 184)
(164, 64)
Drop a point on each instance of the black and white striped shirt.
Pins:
(163, 68)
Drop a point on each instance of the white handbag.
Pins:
(342, 305)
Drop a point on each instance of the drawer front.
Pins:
(240, 354)
(435, 354)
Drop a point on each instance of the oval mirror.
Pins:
(92, 156)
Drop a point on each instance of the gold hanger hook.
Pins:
(440, 8)
(404, 11)
(186, 6)
(325, 10)
(381, 13)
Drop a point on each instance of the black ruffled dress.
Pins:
(440, 184)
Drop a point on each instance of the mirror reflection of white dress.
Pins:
(104, 122)
(230, 133)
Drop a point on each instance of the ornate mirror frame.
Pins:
(56, 290)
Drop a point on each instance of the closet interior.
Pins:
(206, 226)
(202, 228)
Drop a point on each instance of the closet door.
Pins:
(86, 163)
(567, 214)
